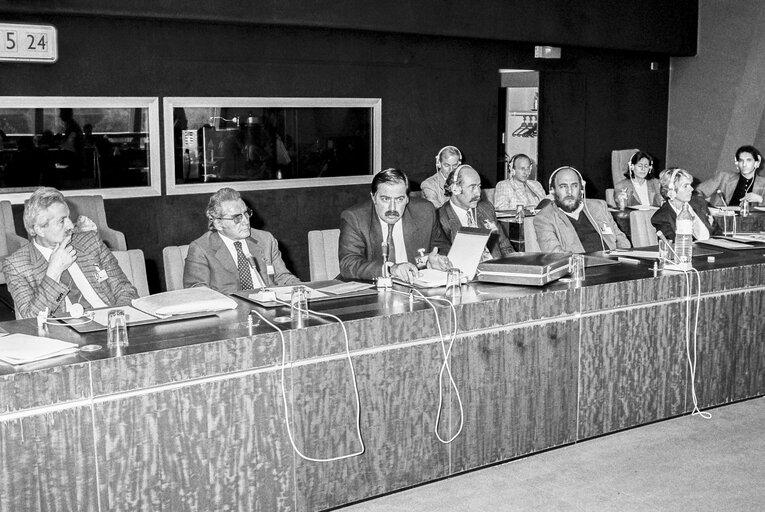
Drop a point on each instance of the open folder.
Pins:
(465, 254)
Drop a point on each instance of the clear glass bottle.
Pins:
(684, 235)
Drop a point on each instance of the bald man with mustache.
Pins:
(466, 209)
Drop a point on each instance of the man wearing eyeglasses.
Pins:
(232, 256)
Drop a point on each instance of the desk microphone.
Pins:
(385, 280)
(722, 198)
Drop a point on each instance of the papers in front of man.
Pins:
(132, 315)
(284, 294)
(199, 299)
(24, 348)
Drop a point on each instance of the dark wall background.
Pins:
(436, 90)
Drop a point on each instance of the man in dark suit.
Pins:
(62, 266)
(465, 208)
(392, 223)
(232, 256)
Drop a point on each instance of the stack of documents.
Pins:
(23, 348)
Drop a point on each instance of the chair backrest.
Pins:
(619, 159)
(10, 242)
(642, 231)
(93, 208)
(323, 260)
(174, 259)
(489, 194)
(610, 198)
(133, 265)
(530, 243)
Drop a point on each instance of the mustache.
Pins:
(392, 214)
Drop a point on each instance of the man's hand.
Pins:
(753, 198)
(404, 271)
(61, 258)
(438, 261)
(85, 224)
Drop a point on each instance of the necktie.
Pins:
(75, 295)
(391, 255)
(245, 278)
(471, 218)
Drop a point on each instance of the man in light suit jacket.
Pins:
(232, 256)
(404, 227)
(62, 266)
(572, 224)
(465, 208)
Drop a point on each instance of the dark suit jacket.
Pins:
(665, 218)
(499, 245)
(33, 291)
(361, 238)
(210, 264)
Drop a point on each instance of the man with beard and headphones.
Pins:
(465, 208)
(572, 223)
(393, 223)
(447, 159)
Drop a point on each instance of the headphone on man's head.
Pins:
(438, 155)
(582, 183)
(511, 163)
(452, 181)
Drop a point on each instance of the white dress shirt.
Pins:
(79, 279)
(398, 239)
(642, 192)
(257, 282)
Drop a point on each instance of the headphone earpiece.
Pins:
(456, 188)
(453, 148)
(552, 177)
(671, 191)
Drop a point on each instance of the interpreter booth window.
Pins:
(81, 146)
(268, 143)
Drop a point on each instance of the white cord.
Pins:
(284, 391)
(445, 366)
(692, 359)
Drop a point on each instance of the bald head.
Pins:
(567, 189)
(466, 187)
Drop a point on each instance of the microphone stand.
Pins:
(385, 280)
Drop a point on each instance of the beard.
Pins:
(569, 203)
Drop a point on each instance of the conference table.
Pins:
(192, 415)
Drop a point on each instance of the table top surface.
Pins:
(234, 323)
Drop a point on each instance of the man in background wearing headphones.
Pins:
(735, 187)
(572, 223)
(465, 208)
(448, 159)
(518, 188)
(390, 231)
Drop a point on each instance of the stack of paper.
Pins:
(23, 348)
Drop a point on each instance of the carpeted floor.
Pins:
(687, 463)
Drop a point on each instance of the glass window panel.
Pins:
(81, 144)
(272, 143)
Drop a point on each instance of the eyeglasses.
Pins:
(238, 217)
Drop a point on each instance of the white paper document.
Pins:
(24, 348)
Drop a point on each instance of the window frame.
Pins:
(155, 162)
(169, 103)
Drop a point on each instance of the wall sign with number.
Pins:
(28, 43)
